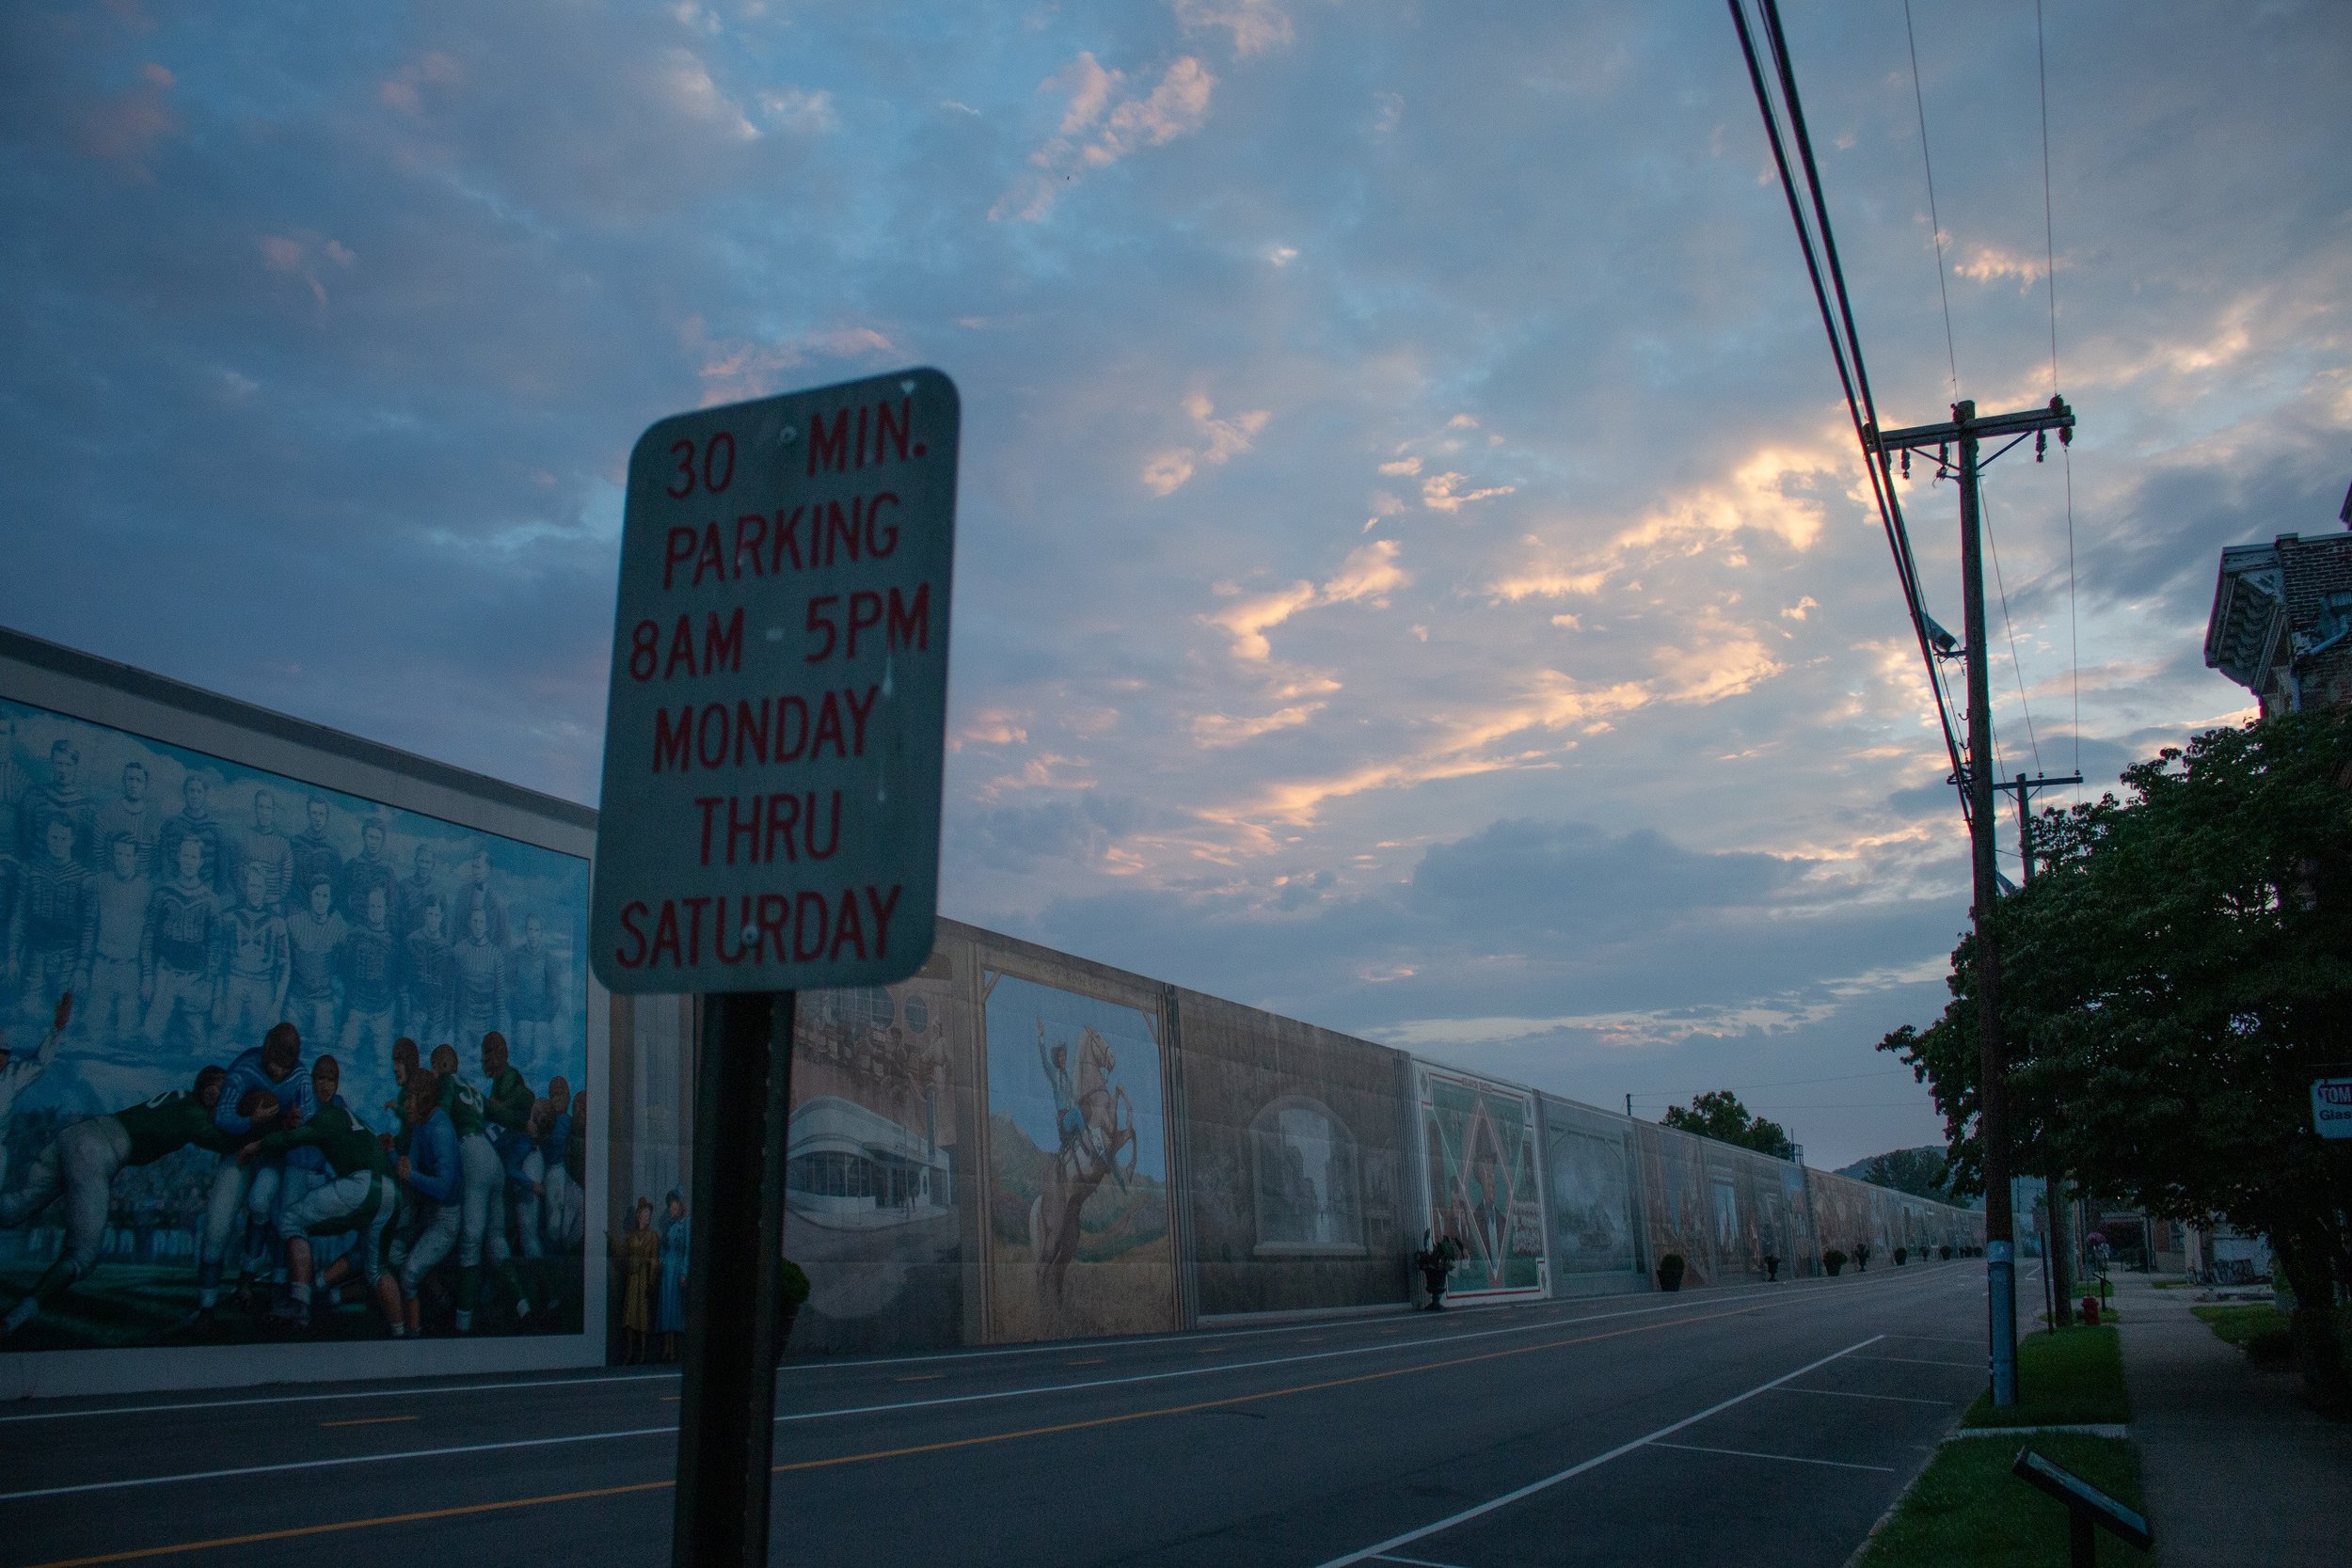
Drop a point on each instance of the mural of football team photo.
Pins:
(276, 1061)
(1077, 1138)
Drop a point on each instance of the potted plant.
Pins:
(1862, 1257)
(1435, 1260)
(791, 1296)
(1670, 1271)
(1832, 1261)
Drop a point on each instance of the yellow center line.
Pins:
(419, 1518)
(1093, 1421)
(921, 1377)
(1093, 1361)
(671, 1399)
(369, 1421)
(508, 1504)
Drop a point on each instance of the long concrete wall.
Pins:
(1016, 1143)
(1202, 1161)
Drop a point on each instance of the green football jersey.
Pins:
(463, 1102)
(172, 1121)
(337, 1131)
(509, 1103)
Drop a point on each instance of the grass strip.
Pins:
(2073, 1377)
(2263, 1332)
(1967, 1510)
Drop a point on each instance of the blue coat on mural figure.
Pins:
(669, 1318)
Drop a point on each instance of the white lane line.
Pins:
(816, 1415)
(1846, 1394)
(1382, 1547)
(1416, 1562)
(1784, 1458)
(526, 1380)
(1917, 1361)
(1935, 1338)
(668, 1430)
(1214, 1368)
(406, 1390)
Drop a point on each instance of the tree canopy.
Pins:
(1719, 1114)
(1920, 1172)
(2173, 978)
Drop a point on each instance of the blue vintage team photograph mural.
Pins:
(276, 1061)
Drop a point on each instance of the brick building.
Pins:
(2282, 622)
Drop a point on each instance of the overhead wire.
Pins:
(1773, 1084)
(1845, 343)
(2066, 450)
(2016, 668)
(1942, 290)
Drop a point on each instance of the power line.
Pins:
(2016, 667)
(1918, 97)
(2066, 456)
(1844, 345)
(1775, 1084)
(2049, 226)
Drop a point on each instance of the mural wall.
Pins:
(876, 1167)
(1589, 1170)
(1016, 1146)
(1077, 1216)
(1297, 1140)
(1482, 1182)
(163, 1179)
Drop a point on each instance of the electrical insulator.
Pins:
(1906, 461)
(2041, 444)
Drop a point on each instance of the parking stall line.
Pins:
(1382, 1548)
(1782, 1458)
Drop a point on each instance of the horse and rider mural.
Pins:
(1078, 1150)
(1096, 1124)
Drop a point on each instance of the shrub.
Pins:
(1832, 1260)
(792, 1285)
(1670, 1271)
(1901, 1254)
(1945, 1251)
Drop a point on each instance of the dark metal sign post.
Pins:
(727, 1399)
(775, 744)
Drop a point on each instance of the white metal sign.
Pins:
(777, 727)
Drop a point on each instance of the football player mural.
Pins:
(206, 974)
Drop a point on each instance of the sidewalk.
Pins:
(2237, 1471)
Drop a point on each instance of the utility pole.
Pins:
(1968, 432)
(2055, 1268)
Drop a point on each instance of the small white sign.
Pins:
(776, 734)
(2332, 1107)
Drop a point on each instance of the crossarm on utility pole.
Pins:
(1991, 427)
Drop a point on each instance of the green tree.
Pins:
(1918, 1171)
(1719, 1114)
(2174, 978)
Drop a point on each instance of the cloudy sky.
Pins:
(1412, 573)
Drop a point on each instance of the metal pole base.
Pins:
(2000, 1269)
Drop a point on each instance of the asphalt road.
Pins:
(1767, 1425)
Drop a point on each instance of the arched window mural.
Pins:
(1309, 1194)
